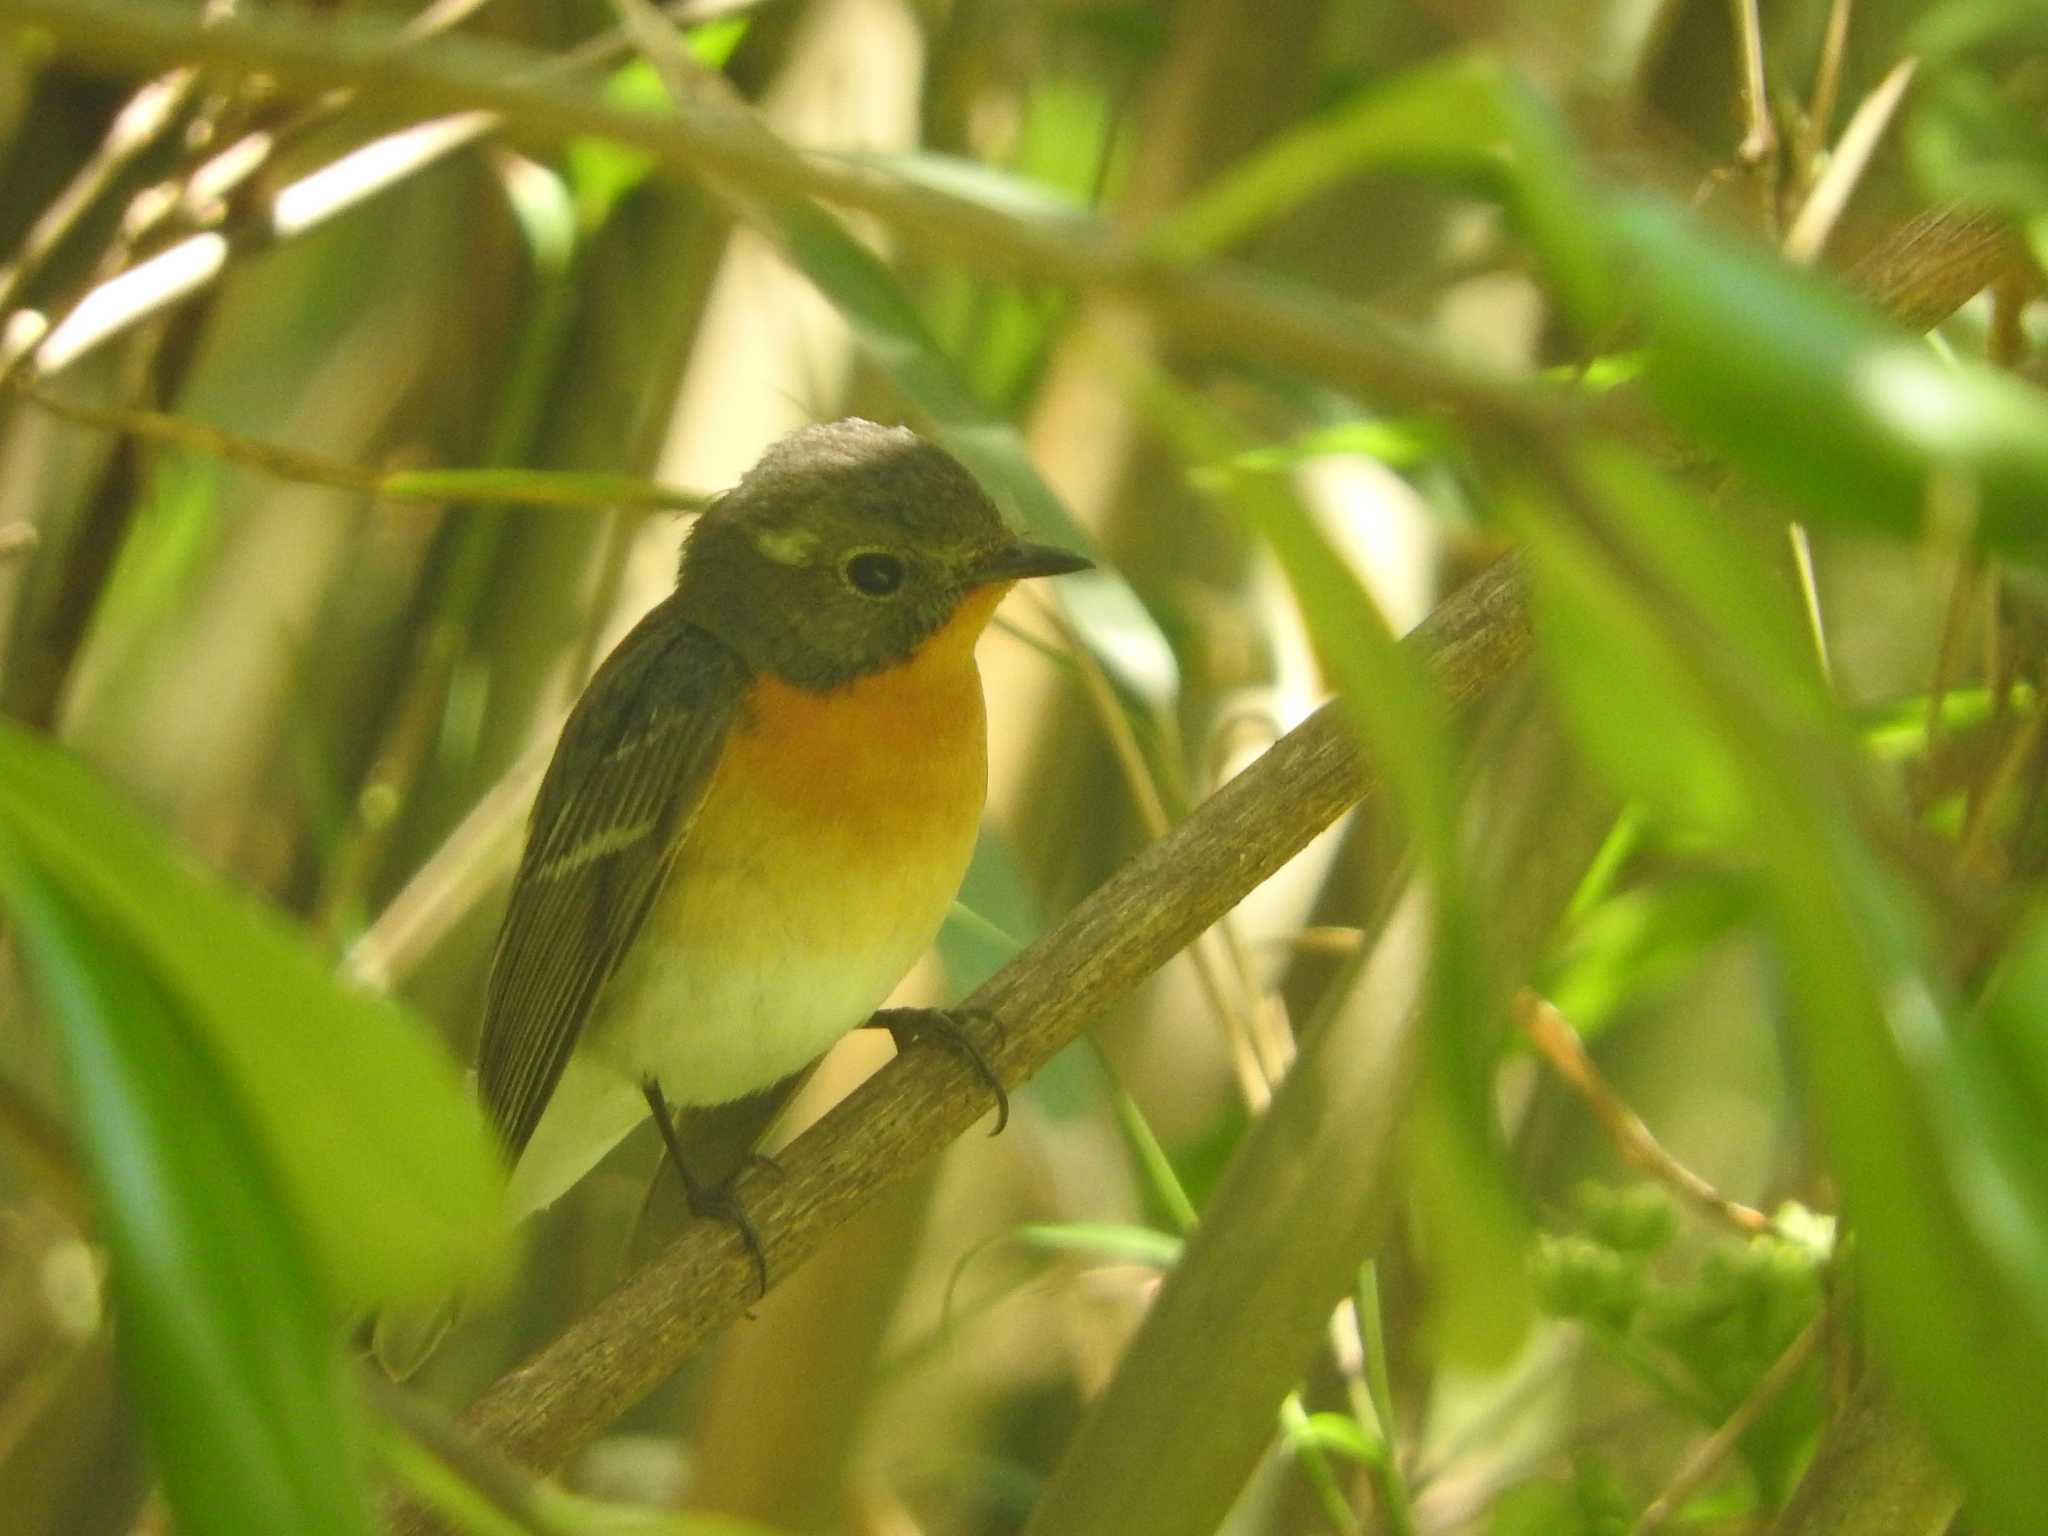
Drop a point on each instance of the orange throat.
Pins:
(893, 752)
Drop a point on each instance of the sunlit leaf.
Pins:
(1399, 444)
(1632, 948)
(227, 1331)
(1858, 424)
(602, 173)
(1469, 117)
(1951, 1223)
(380, 1151)
(1117, 1242)
(1473, 1227)
(1340, 1435)
(975, 182)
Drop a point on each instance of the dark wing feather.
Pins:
(627, 778)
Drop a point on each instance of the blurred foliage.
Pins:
(341, 440)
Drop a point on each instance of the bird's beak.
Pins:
(1014, 562)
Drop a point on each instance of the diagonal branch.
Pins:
(543, 1411)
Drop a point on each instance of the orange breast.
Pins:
(830, 844)
(889, 753)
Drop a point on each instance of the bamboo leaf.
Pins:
(226, 1329)
(379, 1150)
(1860, 425)
(1468, 117)
(1937, 1154)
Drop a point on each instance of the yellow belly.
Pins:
(831, 842)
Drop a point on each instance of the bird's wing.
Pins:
(627, 779)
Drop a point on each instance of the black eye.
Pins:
(877, 575)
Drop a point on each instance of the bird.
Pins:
(759, 811)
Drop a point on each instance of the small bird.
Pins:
(761, 808)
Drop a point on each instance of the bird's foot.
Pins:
(718, 1202)
(948, 1027)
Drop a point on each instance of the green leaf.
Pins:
(1118, 1242)
(973, 181)
(1631, 681)
(1547, 1507)
(1474, 1229)
(601, 173)
(2013, 1019)
(1340, 1435)
(1858, 424)
(1399, 443)
(1636, 945)
(226, 1331)
(379, 1149)
(1973, 143)
(1467, 116)
(1939, 1170)
(994, 918)
(548, 1507)
(1593, 1504)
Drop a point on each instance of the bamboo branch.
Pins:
(1711, 1453)
(1223, 304)
(182, 269)
(1552, 1037)
(494, 486)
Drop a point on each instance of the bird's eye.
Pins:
(875, 574)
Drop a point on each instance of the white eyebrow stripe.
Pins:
(785, 546)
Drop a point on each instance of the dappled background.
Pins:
(247, 324)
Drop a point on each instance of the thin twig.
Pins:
(1808, 236)
(1711, 1452)
(1809, 592)
(1986, 794)
(1257, 1068)
(1938, 261)
(1759, 149)
(1947, 657)
(473, 858)
(527, 488)
(1558, 1043)
(1223, 304)
(1823, 207)
(1827, 89)
(121, 299)
(1390, 1483)
(140, 124)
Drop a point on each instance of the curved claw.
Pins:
(719, 1204)
(947, 1027)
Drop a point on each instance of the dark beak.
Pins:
(1014, 562)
